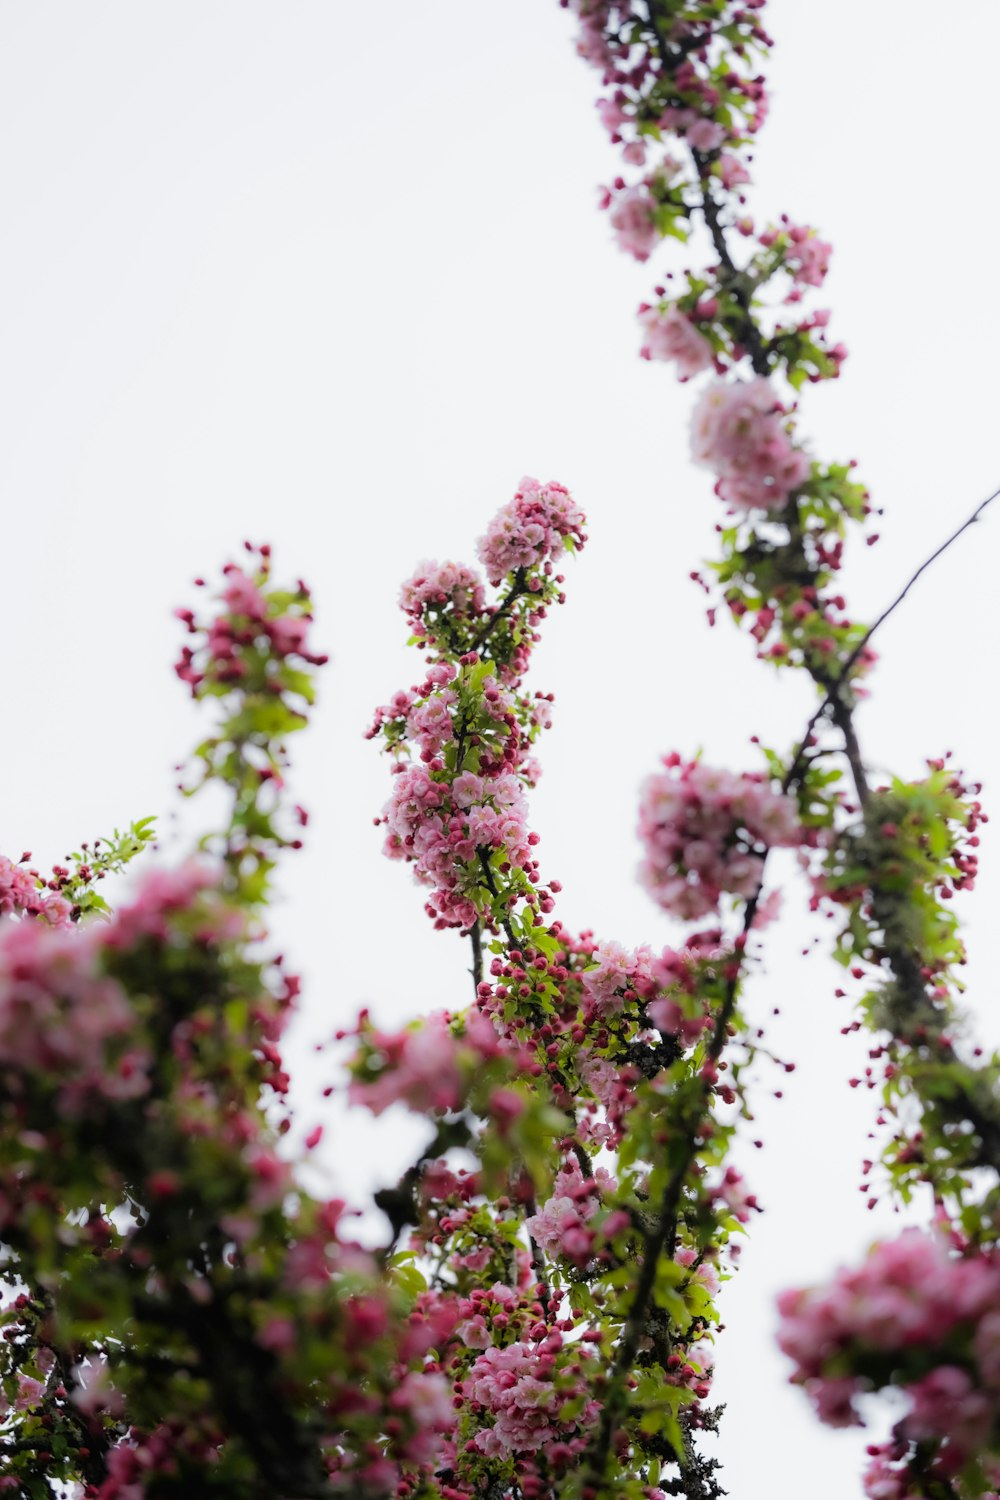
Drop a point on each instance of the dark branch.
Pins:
(517, 591)
(922, 569)
(475, 933)
(491, 886)
(832, 689)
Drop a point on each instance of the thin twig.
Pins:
(922, 569)
(833, 689)
(891, 608)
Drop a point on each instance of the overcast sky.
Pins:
(334, 276)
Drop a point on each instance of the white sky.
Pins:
(334, 276)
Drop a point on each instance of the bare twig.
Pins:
(832, 694)
(908, 586)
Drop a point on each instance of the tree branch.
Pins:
(517, 591)
(833, 689)
(491, 886)
(475, 933)
(970, 521)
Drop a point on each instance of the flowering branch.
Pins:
(675, 75)
(538, 1323)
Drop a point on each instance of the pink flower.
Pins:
(442, 586)
(430, 722)
(427, 1067)
(29, 1392)
(560, 1225)
(739, 432)
(22, 894)
(425, 1397)
(669, 1016)
(419, 1069)
(706, 135)
(289, 634)
(467, 789)
(911, 1298)
(706, 1273)
(241, 595)
(946, 1404)
(93, 1390)
(164, 893)
(807, 256)
(670, 335)
(633, 211)
(64, 1025)
(615, 972)
(515, 1386)
(613, 117)
(531, 528)
(703, 831)
(732, 171)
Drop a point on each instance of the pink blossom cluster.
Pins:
(418, 1409)
(428, 1067)
(418, 1067)
(887, 1476)
(636, 210)
(701, 127)
(671, 986)
(592, 44)
(459, 816)
(704, 1270)
(23, 894)
(430, 1325)
(64, 1025)
(915, 1299)
(613, 1087)
(425, 1398)
(438, 586)
(427, 715)
(531, 529)
(561, 1225)
(685, 83)
(807, 257)
(134, 1460)
(714, 109)
(633, 214)
(893, 1475)
(704, 831)
(247, 640)
(670, 334)
(673, 1017)
(441, 829)
(805, 626)
(402, 714)
(29, 1392)
(730, 1190)
(739, 431)
(617, 977)
(163, 894)
(524, 1387)
(732, 171)
(910, 1291)
(498, 1310)
(430, 722)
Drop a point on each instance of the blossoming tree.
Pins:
(183, 1317)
